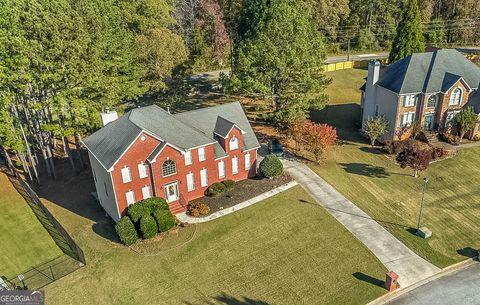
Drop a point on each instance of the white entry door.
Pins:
(171, 192)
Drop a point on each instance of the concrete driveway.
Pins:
(458, 288)
(410, 267)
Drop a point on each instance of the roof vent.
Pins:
(108, 117)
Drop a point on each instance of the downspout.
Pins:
(152, 178)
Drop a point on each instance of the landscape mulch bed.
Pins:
(242, 191)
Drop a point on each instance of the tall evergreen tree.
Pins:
(278, 53)
(409, 37)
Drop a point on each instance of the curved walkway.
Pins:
(183, 217)
(410, 267)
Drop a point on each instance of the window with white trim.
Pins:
(233, 143)
(221, 169)
(410, 100)
(247, 161)
(169, 168)
(407, 119)
(456, 96)
(203, 178)
(142, 170)
(450, 116)
(188, 157)
(432, 101)
(190, 182)
(235, 165)
(146, 192)
(201, 154)
(126, 174)
(130, 195)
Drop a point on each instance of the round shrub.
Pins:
(198, 209)
(229, 184)
(215, 189)
(148, 226)
(137, 210)
(165, 220)
(271, 166)
(156, 203)
(126, 231)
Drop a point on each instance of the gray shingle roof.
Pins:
(219, 151)
(156, 151)
(427, 72)
(109, 143)
(474, 101)
(223, 127)
(205, 119)
(185, 130)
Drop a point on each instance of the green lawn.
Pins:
(284, 250)
(24, 243)
(390, 195)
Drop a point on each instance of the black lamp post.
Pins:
(425, 181)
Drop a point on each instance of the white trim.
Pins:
(125, 151)
(162, 140)
(203, 145)
(115, 196)
(166, 144)
(220, 158)
(257, 147)
(234, 125)
(463, 81)
(204, 154)
(460, 97)
(96, 158)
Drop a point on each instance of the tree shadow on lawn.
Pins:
(364, 169)
(367, 278)
(468, 252)
(230, 300)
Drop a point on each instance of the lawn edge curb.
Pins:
(183, 217)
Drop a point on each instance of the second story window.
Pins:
(142, 170)
(188, 157)
(233, 143)
(169, 168)
(432, 101)
(410, 100)
(126, 174)
(201, 154)
(456, 97)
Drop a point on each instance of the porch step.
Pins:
(432, 137)
(176, 208)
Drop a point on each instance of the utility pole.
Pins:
(348, 50)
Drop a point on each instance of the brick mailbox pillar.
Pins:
(391, 281)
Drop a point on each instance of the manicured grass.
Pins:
(390, 195)
(24, 243)
(284, 250)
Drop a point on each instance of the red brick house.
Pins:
(149, 152)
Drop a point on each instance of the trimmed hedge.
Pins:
(148, 226)
(156, 203)
(228, 184)
(137, 210)
(165, 220)
(126, 231)
(271, 166)
(146, 207)
(215, 189)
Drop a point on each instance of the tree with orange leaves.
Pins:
(316, 138)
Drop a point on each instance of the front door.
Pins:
(171, 192)
(428, 121)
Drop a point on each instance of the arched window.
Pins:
(169, 168)
(233, 143)
(456, 96)
(432, 101)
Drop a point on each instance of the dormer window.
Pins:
(169, 168)
(233, 143)
(456, 96)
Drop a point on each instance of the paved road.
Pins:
(459, 288)
(390, 251)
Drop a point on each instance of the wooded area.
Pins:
(65, 61)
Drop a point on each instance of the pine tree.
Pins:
(409, 37)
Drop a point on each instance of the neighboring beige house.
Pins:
(429, 88)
